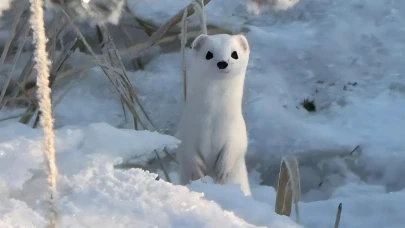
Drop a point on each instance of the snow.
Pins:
(346, 55)
(93, 193)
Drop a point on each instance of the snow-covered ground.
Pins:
(347, 55)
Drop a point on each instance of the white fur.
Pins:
(212, 128)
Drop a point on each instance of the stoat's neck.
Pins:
(221, 94)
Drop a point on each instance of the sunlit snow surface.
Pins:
(347, 55)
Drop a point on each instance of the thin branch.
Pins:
(183, 55)
(339, 212)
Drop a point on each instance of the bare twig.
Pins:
(56, 67)
(32, 109)
(125, 83)
(354, 150)
(12, 34)
(339, 212)
(162, 167)
(16, 58)
(199, 8)
(137, 49)
(183, 55)
(128, 42)
(30, 64)
(192, 34)
(6, 49)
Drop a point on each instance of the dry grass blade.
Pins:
(74, 71)
(16, 58)
(183, 55)
(137, 49)
(165, 39)
(16, 21)
(128, 42)
(67, 52)
(308, 156)
(169, 155)
(12, 38)
(355, 149)
(199, 8)
(284, 193)
(117, 77)
(101, 62)
(123, 82)
(192, 34)
(69, 48)
(30, 64)
(162, 167)
(156, 38)
(66, 89)
(339, 212)
(32, 108)
(23, 76)
(288, 189)
(22, 26)
(147, 27)
(29, 112)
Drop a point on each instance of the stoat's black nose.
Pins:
(222, 65)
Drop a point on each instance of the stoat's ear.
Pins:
(199, 42)
(242, 41)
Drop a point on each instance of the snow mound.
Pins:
(103, 197)
(95, 194)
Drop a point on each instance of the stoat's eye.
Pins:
(209, 56)
(234, 55)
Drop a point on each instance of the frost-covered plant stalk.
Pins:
(199, 9)
(44, 100)
(183, 54)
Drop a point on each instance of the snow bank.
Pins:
(93, 193)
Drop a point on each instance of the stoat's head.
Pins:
(221, 54)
